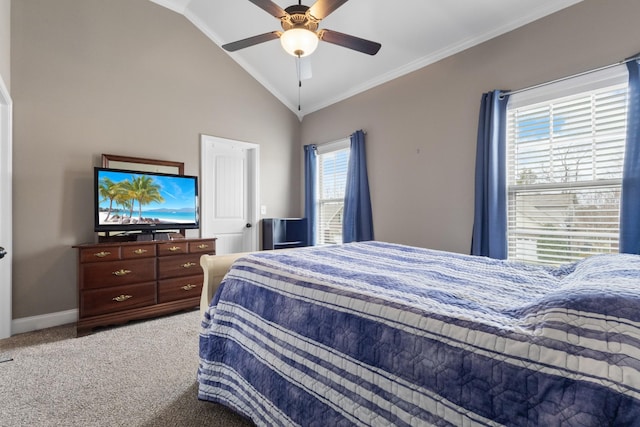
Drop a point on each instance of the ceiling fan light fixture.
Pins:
(299, 42)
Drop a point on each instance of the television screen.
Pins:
(128, 200)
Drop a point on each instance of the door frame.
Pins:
(207, 147)
(6, 241)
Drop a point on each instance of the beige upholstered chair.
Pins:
(215, 267)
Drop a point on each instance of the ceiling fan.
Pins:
(301, 35)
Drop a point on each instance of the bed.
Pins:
(378, 334)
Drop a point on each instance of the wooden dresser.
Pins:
(118, 282)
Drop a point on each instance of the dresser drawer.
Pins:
(122, 272)
(202, 247)
(104, 253)
(179, 266)
(118, 298)
(173, 248)
(180, 288)
(138, 251)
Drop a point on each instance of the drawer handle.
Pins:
(174, 248)
(188, 287)
(140, 251)
(189, 265)
(121, 272)
(122, 298)
(102, 254)
(203, 246)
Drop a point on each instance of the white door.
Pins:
(5, 210)
(229, 194)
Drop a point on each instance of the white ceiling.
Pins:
(413, 34)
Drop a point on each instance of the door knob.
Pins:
(248, 225)
(2, 252)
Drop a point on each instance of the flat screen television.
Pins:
(135, 201)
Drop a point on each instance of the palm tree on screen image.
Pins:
(123, 200)
(110, 191)
(145, 191)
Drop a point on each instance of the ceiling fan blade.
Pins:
(351, 42)
(270, 7)
(322, 8)
(241, 44)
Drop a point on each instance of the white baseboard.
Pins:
(33, 323)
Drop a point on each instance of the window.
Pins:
(333, 159)
(565, 151)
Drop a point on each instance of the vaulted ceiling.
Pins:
(413, 34)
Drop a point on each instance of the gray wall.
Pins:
(125, 77)
(5, 42)
(421, 128)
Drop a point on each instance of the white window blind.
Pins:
(564, 172)
(333, 160)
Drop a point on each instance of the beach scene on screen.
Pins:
(140, 198)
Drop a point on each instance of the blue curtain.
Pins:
(310, 196)
(630, 198)
(490, 218)
(357, 221)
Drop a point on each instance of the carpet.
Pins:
(139, 374)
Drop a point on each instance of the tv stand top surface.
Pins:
(126, 239)
(140, 237)
(137, 242)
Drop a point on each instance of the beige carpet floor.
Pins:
(139, 374)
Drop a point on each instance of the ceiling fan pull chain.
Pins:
(299, 71)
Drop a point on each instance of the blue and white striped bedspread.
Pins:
(383, 334)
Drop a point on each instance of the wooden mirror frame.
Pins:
(141, 164)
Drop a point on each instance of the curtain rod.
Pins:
(624, 61)
(337, 140)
